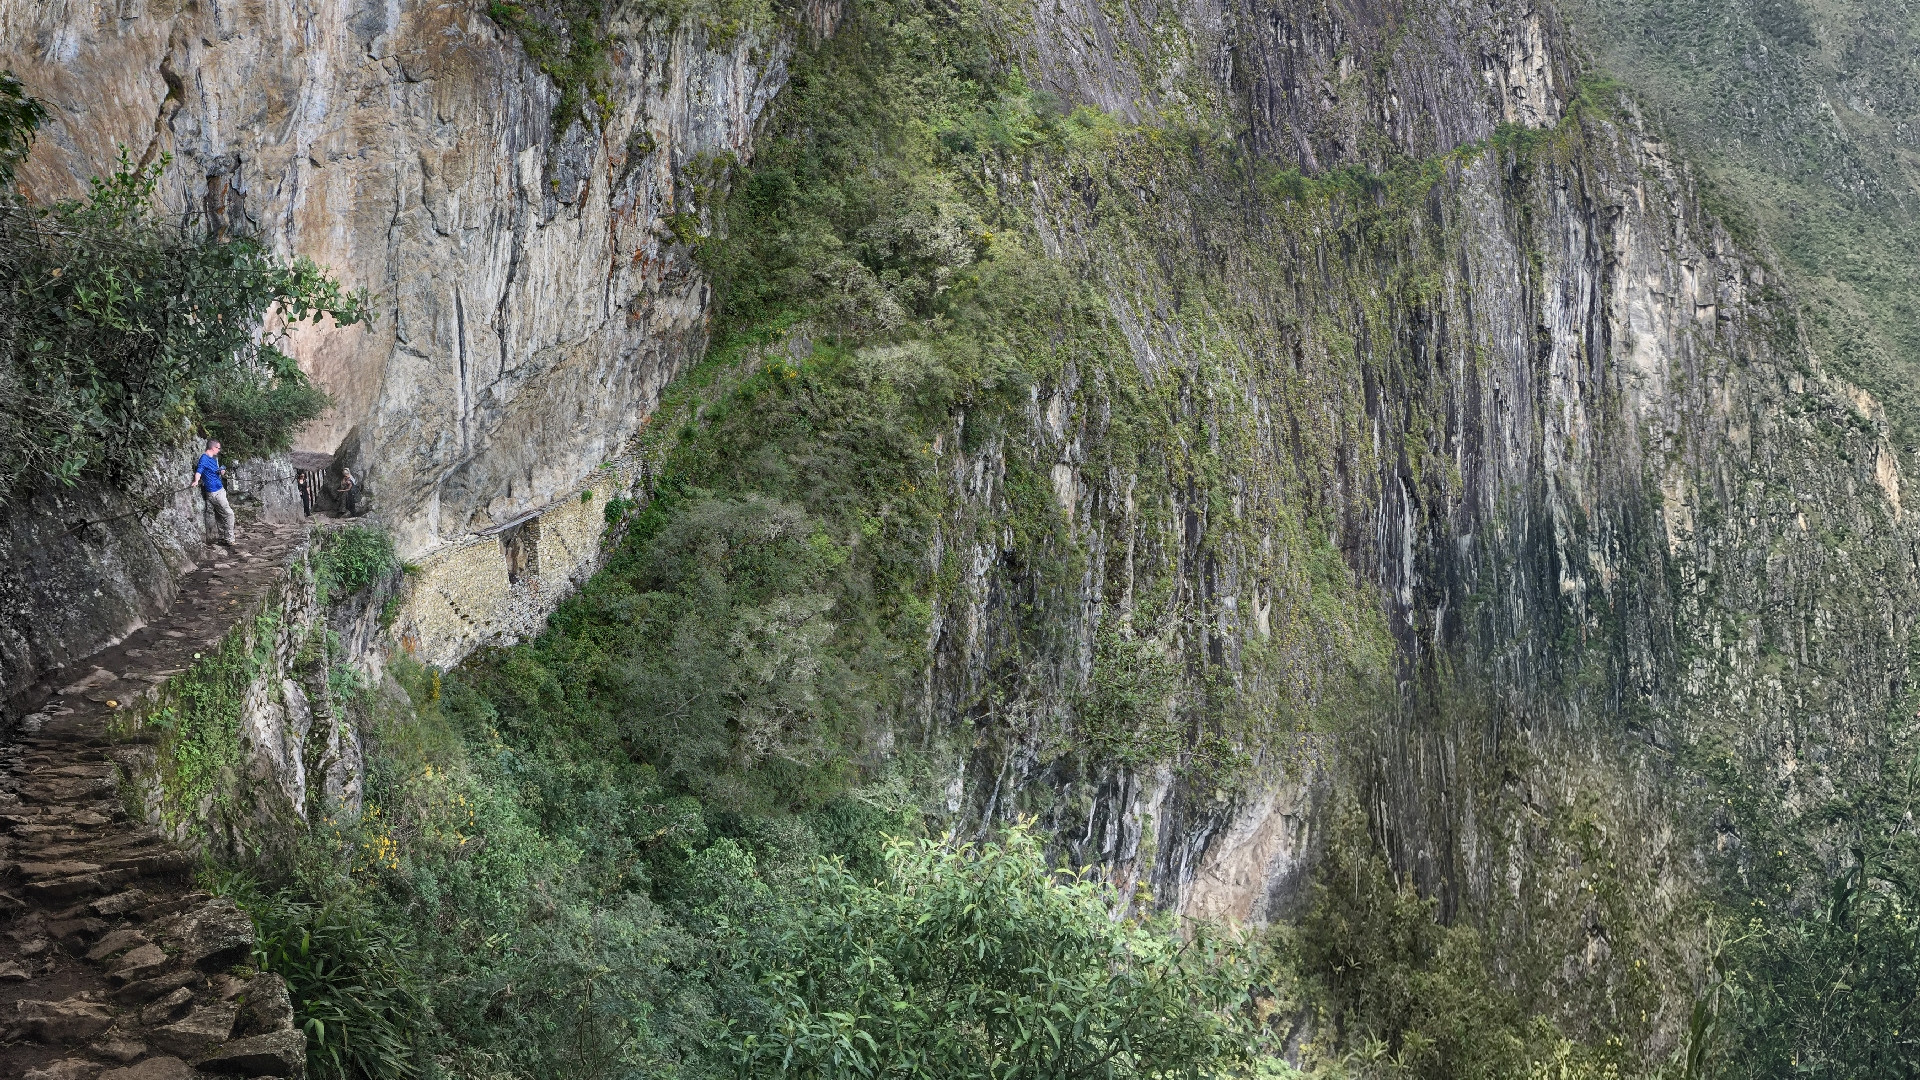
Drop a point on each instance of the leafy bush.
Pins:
(350, 559)
(198, 720)
(20, 116)
(981, 961)
(354, 991)
(1832, 992)
(1399, 988)
(122, 333)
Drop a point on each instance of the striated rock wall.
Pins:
(1621, 535)
(530, 300)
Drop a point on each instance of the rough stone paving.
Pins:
(112, 967)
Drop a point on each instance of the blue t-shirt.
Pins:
(209, 471)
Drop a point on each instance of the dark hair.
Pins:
(211, 443)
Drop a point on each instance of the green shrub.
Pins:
(20, 117)
(1831, 992)
(198, 719)
(123, 333)
(350, 559)
(982, 961)
(349, 974)
(1401, 995)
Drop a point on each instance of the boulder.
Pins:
(115, 943)
(280, 1053)
(65, 1069)
(120, 903)
(118, 1047)
(203, 1029)
(167, 1009)
(144, 990)
(265, 1006)
(140, 963)
(159, 1068)
(218, 935)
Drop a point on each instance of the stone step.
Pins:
(111, 966)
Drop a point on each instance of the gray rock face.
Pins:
(65, 1069)
(85, 566)
(154, 1068)
(530, 305)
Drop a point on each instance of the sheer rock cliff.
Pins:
(1507, 510)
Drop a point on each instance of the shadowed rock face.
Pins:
(530, 307)
(1622, 527)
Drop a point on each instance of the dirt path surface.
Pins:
(111, 966)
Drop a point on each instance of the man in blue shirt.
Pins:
(213, 493)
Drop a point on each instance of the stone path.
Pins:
(111, 966)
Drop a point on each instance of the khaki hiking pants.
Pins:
(217, 509)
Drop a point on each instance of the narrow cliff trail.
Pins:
(111, 966)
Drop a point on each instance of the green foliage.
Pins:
(738, 642)
(1834, 992)
(1402, 995)
(525, 900)
(572, 41)
(197, 720)
(355, 994)
(350, 559)
(1825, 983)
(982, 962)
(1130, 714)
(123, 333)
(568, 40)
(20, 117)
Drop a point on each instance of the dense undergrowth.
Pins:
(123, 333)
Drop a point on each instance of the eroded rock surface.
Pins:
(531, 303)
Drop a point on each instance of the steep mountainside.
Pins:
(531, 292)
(1335, 465)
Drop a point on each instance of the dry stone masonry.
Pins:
(112, 966)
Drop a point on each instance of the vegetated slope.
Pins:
(1134, 466)
(1806, 116)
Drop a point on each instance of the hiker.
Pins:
(349, 491)
(208, 476)
(303, 480)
